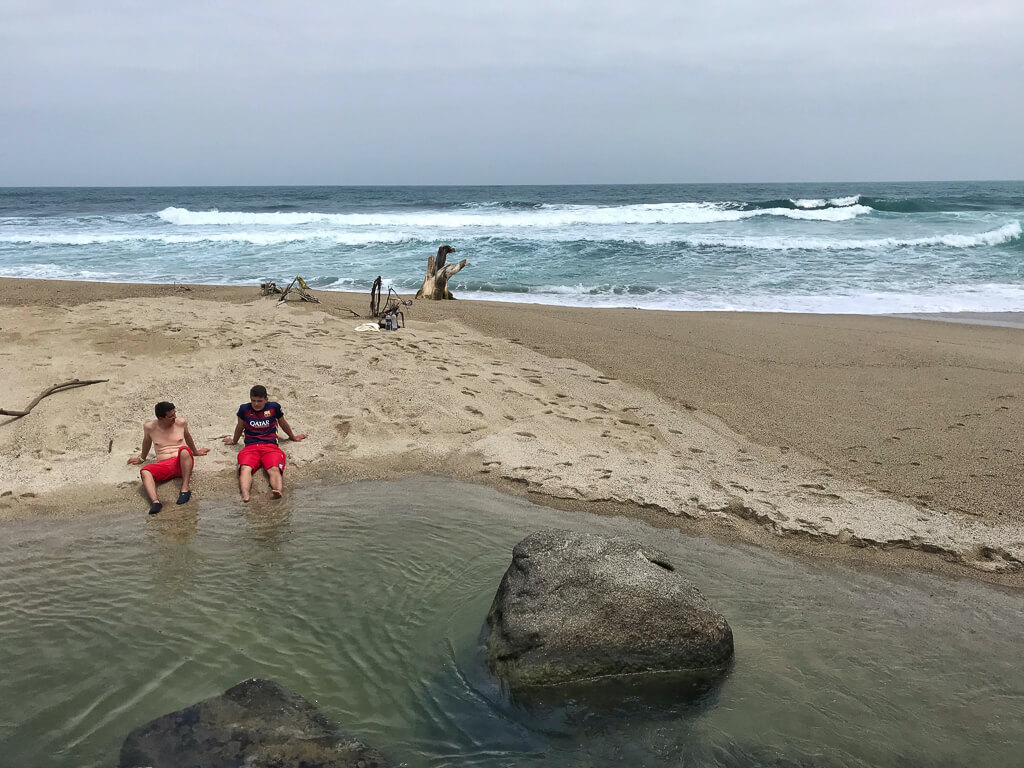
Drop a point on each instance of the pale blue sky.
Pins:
(467, 92)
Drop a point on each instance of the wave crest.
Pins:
(482, 216)
(836, 202)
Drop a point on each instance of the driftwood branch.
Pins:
(375, 297)
(266, 289)
(73, 384)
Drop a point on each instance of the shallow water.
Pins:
(368, 599)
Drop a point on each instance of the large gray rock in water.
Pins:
(575, 606)
(255, 724)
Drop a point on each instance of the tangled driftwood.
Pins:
(74, 383)
(301, 290)
(297, 287)
(390, 304)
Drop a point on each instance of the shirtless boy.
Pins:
(259, 420)
(168, 434)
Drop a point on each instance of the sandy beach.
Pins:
(892, 440)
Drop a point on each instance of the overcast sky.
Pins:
(511, 92)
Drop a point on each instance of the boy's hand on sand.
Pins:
(296, 438)
(202, 451)
(134, 460)
(228, 441)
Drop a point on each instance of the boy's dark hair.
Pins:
(163, 408)
(258, 391)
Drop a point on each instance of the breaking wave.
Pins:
(1007, 233)
(546, 216)
(838, 202)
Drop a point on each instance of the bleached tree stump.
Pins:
(435, 284)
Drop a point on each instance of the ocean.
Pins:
(868, 248)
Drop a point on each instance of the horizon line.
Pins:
(545, 184)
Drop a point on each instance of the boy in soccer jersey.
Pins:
(175, 450)
(259, 420)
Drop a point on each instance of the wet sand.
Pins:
(894, 440)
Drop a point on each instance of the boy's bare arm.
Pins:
(191, 443)
(147, 443)
(238, 433)
(288, 430)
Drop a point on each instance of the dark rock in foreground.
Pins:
(575, 606)
(255, 724)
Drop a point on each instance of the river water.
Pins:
(368, 599)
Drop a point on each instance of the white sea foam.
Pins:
(41, 272)
(838, 202)
(1004, 234)
(844, 201)
(822, 214)
(550, 216)
(963, 298)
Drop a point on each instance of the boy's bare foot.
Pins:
(245, 499)
(276, 493)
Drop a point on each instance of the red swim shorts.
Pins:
(167, 469)
(266, 455)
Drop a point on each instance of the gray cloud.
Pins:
(481, 92)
